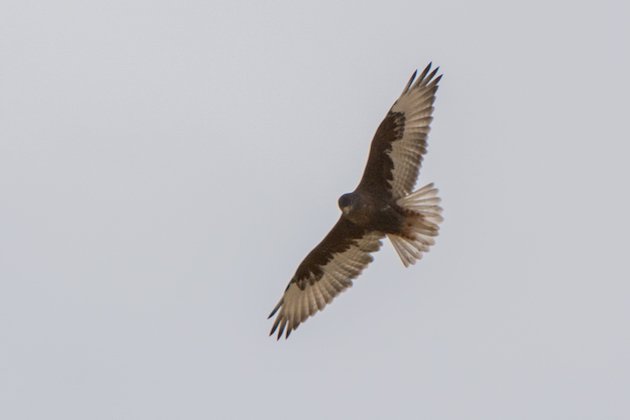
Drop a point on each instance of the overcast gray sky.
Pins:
(165, 166)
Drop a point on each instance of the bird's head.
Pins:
(347, 203)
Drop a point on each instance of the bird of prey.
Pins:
(383, 204)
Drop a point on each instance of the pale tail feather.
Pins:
(422, 224)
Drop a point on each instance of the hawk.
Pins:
(383, 204)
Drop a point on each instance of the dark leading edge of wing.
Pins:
(401, 139)
(325, 272)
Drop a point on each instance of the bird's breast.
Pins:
(375, 215)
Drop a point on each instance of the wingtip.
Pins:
(275, 309)
(425, 71)
(433, 73)
(410, 82)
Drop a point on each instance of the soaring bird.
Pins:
(383, 204)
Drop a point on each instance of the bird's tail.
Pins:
(421, 226)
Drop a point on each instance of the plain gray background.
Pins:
(165, 166)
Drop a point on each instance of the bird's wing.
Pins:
(325, 272)
(401, 139)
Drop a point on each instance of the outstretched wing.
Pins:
(401, 139)
(325, 272)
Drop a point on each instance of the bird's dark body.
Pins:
(367, 213)
(374, 213)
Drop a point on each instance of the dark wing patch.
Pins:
(401, 139)
(325, 272)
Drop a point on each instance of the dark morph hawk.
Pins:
(383, 204)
